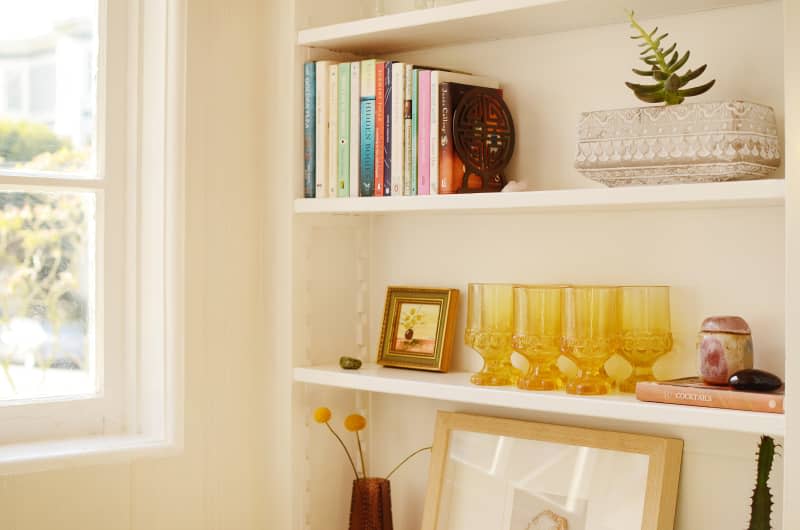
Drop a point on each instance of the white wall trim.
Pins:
(47, 456)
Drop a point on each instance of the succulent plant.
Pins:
(761, 502)
(663, 64)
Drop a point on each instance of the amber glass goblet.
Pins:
(490, 324)
(644, 321)
(537, 335)
(591, 335)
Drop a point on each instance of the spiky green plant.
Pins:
(761, 501)
(663, 65)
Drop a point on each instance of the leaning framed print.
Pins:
(516, 475)
(418, 328)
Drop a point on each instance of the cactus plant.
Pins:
(663, 64)
(761, 501)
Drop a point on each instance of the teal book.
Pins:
(414, 129)
(366, 169)
(343, 122)
(309, 129)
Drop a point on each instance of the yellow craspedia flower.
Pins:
(355, 422)
(322, 415)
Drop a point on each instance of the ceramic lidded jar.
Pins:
(724, 346)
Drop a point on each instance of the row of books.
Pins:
(379, 128)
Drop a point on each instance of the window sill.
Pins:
(46, 456)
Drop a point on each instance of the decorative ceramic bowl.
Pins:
(691, 142)
(724, 346)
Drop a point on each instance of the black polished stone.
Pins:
(755, 380)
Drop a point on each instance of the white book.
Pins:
(401, 127)
(438, 77)
(355, 125)
(333, 129)
(323, 115)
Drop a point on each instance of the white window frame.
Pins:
(140, 137)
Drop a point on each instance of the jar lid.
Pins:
(726, 324)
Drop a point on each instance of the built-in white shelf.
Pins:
(455, 387)
(714, 195)
(482, 20)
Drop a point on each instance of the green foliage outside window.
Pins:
(22, 141)
(41, 240)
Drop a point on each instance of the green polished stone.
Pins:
(349, 363)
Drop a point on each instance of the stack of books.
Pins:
(378, 128)
(693, 391)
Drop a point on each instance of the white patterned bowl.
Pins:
(691, 142)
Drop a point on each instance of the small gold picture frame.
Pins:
(418, 328)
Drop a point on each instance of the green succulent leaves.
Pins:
(669, 86)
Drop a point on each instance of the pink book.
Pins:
(424, 134)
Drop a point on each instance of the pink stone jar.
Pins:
(724, 346)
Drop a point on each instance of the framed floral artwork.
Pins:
(418, 328)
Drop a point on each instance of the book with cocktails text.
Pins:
(692, 391)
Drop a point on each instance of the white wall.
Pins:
(218, 482)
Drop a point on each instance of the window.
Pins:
(48, 254)
(90, 163)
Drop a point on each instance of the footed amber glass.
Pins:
(644, 321)
(537, 335)
(591, 335)
(490, 324)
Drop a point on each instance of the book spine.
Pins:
(366, 179)
(438, 78)
(699, 397)
(355, 125)
(309, 126)
(414, 130)
(407, 131)
(379, 130)
(424, 127)
(333, 129)
(387, 129)
(398, 127)
(434, 136)
(322, 119)
(446, 181)
(343, 120)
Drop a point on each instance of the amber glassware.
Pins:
(537, 335)
(490, 325)
(591, 336)
(644, 321)
(371, 504)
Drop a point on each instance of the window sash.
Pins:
(150, 114)
(105, 411)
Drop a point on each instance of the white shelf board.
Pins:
(482, 20)
(723, 194)
(455, 387)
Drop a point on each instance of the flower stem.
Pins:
(406, 459)
(361, 453)
(350, 458)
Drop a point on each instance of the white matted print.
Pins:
(501, 482)
(509, 482)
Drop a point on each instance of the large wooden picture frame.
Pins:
(418, 328)
(659, 473)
